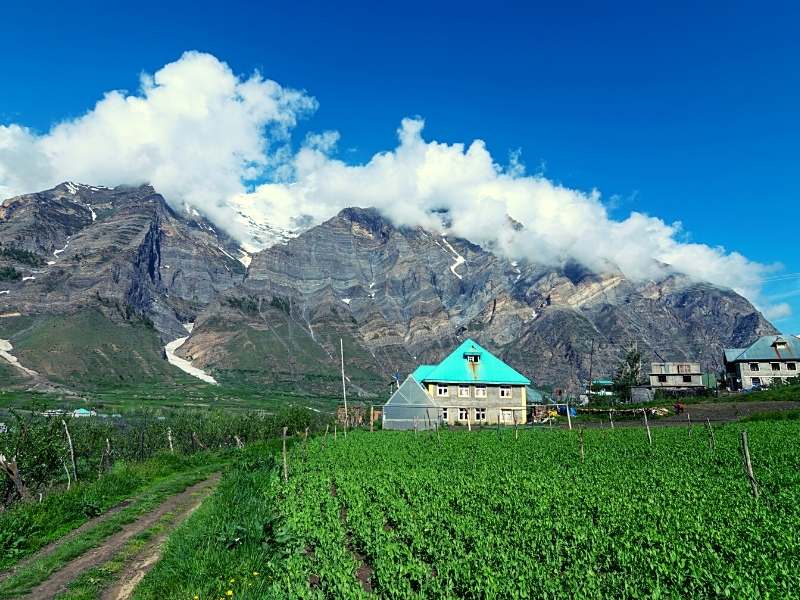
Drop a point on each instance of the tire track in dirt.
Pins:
(181, 503)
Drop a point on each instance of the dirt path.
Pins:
(180, 504)
(148, 556)
(55, 544)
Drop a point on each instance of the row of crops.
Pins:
(483, 515)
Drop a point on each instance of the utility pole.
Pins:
(344, 389)
(591, 361)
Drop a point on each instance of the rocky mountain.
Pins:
(120, 262)
(396, 296)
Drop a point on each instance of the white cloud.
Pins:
(195, 130)
(778, 311)
(202, 135)
(419, 177)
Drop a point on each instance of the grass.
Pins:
(34, 573)
(774, 415)
(32, 525)
(218, 549)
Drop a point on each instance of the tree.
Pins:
(629, 374)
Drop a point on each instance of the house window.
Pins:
(662, 379)
(480, 414)
(687, 379)
(463, 414)
(756, 380)
(463, 391)
(473, 358)
(754, 366)
(442, 390)
(480, 391)
(683, 369)
(444, 414)
(505, 391)
(776, 366)
(791, 366)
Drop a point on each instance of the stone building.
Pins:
(769, 359)
(676, 376)
(470, 386)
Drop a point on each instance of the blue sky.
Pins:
(683, 112)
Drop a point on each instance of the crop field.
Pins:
(485, 515)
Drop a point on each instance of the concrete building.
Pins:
(676, 376)
(769, 359)
(470, 386)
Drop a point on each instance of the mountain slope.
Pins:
(402, 296)
(95, 281)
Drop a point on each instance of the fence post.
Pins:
(748, 466)
(334, 432)
(647, 427)
(580, 435)
(69, 479)
(371, 418)
(71, 452)
(169, 439)
(305, 445)
(569, 417)
(611, 419)
(498, 423)
(712, 443)
(689, 421)
(285, 466)
(516, 433)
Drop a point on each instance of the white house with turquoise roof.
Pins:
(470, 386)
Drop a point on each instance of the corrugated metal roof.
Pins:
(768, 347)
(456, 369)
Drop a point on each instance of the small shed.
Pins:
(409, 407)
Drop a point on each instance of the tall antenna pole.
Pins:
(344, 389)
(591, 361)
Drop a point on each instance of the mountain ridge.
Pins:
(397, 296)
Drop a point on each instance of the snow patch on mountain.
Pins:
(183, 364)
(459, 260)
(5, 354)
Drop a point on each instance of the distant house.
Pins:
(470, 386)
(676, 376)
(602, 387)
(3, 428)
(769, 359)
(82, 412)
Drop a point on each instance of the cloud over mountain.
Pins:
(206, 137)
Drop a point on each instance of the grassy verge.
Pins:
(32, 574)
(32, 525)
(218, 550)
(775, 415)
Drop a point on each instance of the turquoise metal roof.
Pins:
(456, 369)
(765, 348)
(421, 371)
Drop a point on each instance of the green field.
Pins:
(482, 515)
